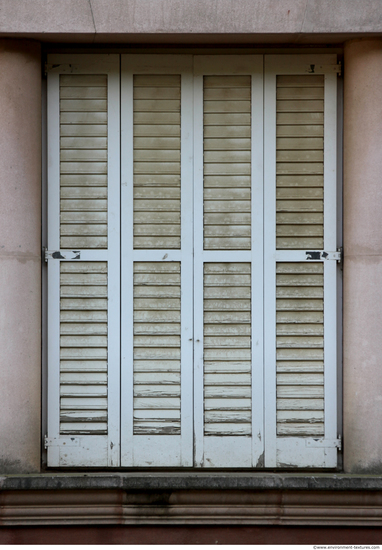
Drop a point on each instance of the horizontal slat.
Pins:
(83, 117)
(156, 347)
(300, 105)
(156, 161)
(303, 429)
(152, 118)
(156, 403)
(81, 132)
(83, 155)
(156, 80)
(227, 429)
(300, 92)
(83, 353)
(83, 80)
(157, 92)
(227, 349)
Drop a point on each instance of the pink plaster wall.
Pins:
(363, 256)
(20, 255)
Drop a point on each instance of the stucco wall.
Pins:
(296, 21)
(363, 257)
(20, 256)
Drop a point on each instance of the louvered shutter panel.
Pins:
(228, 279)
(156, 261)
(300, 266)
(83, 261)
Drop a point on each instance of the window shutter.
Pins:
(200, 328)
(157, 261)
(83, 260)
(228, 279)
(300, 265)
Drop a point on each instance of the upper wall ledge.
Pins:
(261, 21)
(192, 481)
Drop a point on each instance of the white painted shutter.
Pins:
(83, 261)
(228, 274)
(300, 266)
(157, 289)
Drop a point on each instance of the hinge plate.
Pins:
(330, 443)
(323, 255)
(319, 69)
(58, 441)
(59, 255)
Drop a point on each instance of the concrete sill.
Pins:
(191, 499)
(154, 481)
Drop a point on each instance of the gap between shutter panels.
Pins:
(83, 348)
(299, 166)
(157, 161)
(227, 162)
(83, 161)
(157, 348)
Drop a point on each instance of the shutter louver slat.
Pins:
(156, 348)
(227, 162)
(156, 161)
(83, 166)
(299, 162)
(227, 349)
(83, 348)
(300, 349)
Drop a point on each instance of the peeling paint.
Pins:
(313, 255)
(260, 461)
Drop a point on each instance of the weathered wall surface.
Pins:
(118, 20)
(363, 257)
(20, 256)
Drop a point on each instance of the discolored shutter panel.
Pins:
(300, 262)
(157, 341)
(228, 299)
(83, 261)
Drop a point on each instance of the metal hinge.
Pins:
(322, 255)
(58, 255)
(324, 443)
(324, 69)
(56, 441)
